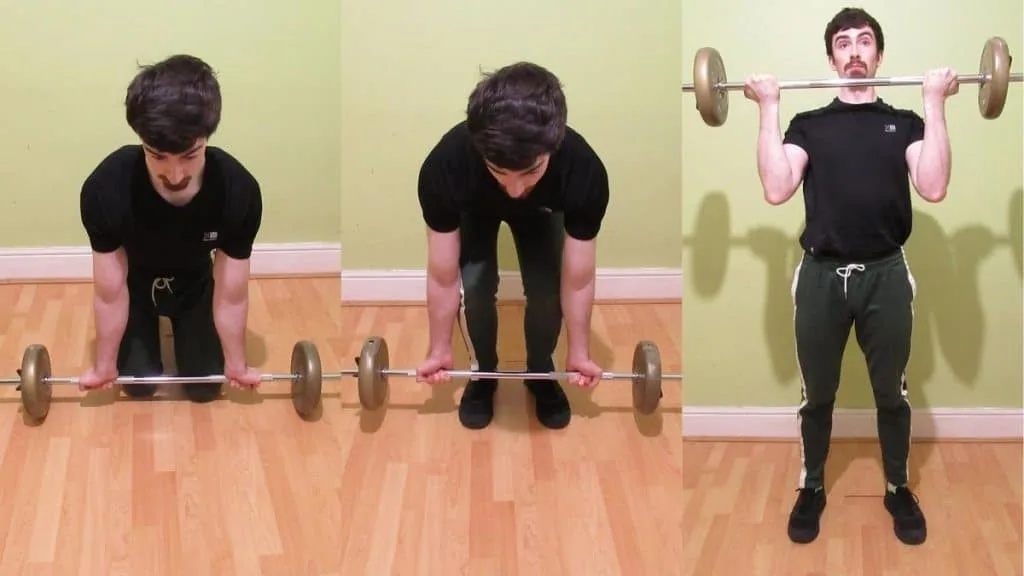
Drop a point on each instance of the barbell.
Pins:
(373, 372)
(711, 87)
(713, 238)
(36, 382)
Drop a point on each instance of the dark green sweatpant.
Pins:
(877, 298)
(538, 236)
(186, 297)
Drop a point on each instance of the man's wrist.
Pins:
(768, 111)
(578, 349)
(105, 367)
(235, 365)
(439, 350)
(934, 107)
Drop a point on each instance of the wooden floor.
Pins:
(738, 495)
(244, 487)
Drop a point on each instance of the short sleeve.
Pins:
(916, 131)
(104, 236)
(586, 200)
(436, 197)
(243, 217)
(795, 134)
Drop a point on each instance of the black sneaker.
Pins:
(908, 520)
(805, 519)
(552, 406)
(476, 409)
(139, 390)
(202, 393)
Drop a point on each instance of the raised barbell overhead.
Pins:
(36, 382)
(373, 372)
(711, 86)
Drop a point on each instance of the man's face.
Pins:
(520, 184)
(855, 53)
(176, 175)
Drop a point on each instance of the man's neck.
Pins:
(858, 95)
(182, 198)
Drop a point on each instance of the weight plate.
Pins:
(647, 385)
(708, 72)
(307, 387)
(995, 61)
(35, 391)
(373, 383)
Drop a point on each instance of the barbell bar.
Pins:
(712, 87)
(373, 371)
(35, 380)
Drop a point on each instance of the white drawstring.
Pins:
(846, 271)
(161, 283)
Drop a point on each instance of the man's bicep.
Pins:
(590, 193)
(102, 235)
(913, 154)
(579, 259)
(109, 273)
(240, 234)
(443, 255)
(797, 157)
(915, 141)
(435, 194)
(231, 276)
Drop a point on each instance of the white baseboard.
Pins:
(74, 263)
(935, 423)
(612, 284)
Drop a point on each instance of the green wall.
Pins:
(64, 76)
(738, 312)
(408, 68)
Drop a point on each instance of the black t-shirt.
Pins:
(120, 208)
(856, 186)
(454, 180)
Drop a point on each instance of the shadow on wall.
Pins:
(945, 267)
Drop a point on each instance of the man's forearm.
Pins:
(772, 164)
(577, 305)
(442, 306)
(111, 317)
(230, 316)
(933, 166)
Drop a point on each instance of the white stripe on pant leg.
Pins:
(464, 329)
(803, 384)
(904, 392)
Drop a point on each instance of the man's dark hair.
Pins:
(516, 114)
(853, 18)
(173, 103)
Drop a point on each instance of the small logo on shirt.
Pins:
(209, 236)
(890, 128)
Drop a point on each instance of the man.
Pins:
(154, 212)
(512, 160)
(853, 157)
